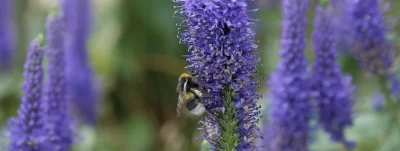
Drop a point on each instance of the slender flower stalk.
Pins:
(289, 110)
(26, 132)
(7, 34)
(334, 91)
(80, 78)
(58, 118)
(222, 59)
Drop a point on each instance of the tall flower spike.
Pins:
(26, 132)
(289, 110)
(58, 118)
(334, 91)
(343, 20)
(7, 34)
(371, 44)
(79, 73)
(222, 59)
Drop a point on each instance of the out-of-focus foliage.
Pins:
(138, 59)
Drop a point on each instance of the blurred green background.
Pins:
(138, 59)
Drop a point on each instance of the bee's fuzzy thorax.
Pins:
(185, 75)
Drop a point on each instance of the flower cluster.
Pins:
(7, 34)
(223, 58)
(371, 43)
(334, 91)
(81, 87)
(344, 32)
(45, 122)
(58, 119)
(289, 110)
(26, 132)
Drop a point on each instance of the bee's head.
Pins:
(184, 80)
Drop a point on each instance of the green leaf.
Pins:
(88, 139)
(205, 146)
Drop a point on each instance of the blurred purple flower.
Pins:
(223, 58)
(395, 87)
(80, 78)
(26, 132)
(344, 33)
(334, 91)
(394, 83)
(58, 119)
(287, 127)
(7, 34)
(371, 43)
(378, 101)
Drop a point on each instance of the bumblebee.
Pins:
(189, 95)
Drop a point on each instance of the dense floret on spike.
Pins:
(334, 91)
(223, 58)
(289, 109)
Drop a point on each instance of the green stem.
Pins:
(230, 139)
(390, 102)
(324, 3)
(205, 146)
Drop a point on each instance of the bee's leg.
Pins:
(199, 93)
(184, 87)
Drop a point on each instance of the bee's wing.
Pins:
(178, 87)
(182, 93)
(180, 103)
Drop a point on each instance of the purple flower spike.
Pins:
(222, 59)
(80, 78)
(58, 119)
(334, 91)
(26, 132)
(343, 21)
(371, 44)
(287, 128)
(7, 34)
